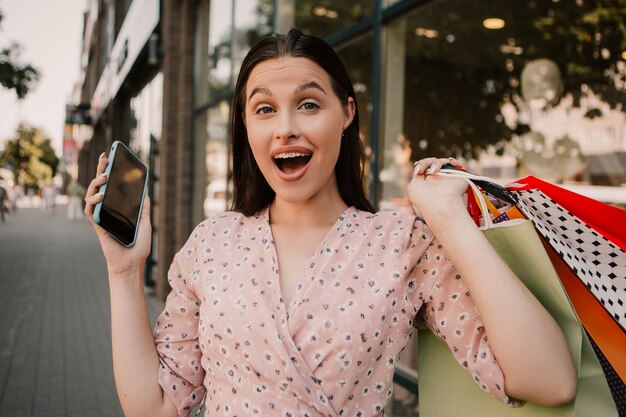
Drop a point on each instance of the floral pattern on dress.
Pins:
(227, 338)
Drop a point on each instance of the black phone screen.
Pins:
(121, 205)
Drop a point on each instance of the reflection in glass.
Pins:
(145, 134)
(216, 159)
(147, 114)
(357, 56)
(387, 3)
(220, 35)
(201, 57)
(540, 93)
(253, 20)
(325, 17)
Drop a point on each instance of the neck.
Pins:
(318, 211)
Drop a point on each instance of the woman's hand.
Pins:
(121, 261)
(427, 191)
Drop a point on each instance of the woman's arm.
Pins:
(526, 341)
(135, 358)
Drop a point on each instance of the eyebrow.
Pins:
(299, 89)
(262, 90)
(310, 84)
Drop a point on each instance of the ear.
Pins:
(349, 111)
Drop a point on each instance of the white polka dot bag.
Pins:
(586, 240)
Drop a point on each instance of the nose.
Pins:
(287, 127)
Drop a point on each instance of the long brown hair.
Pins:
(251, 192)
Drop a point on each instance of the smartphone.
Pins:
(120, 209)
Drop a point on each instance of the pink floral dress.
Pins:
(226, 337)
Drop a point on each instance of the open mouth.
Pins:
(291, 162)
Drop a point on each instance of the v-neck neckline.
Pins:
(300, 285)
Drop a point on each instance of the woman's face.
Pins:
(294, 122)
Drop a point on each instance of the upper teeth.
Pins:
(285, 155)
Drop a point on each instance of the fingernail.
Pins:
(100, 194)
(417, 168)
(430, 170)
(105, 174)
(102, 155)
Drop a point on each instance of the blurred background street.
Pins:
(55, 348)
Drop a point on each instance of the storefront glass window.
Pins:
(147, 117)
(202, 57)
(357, 57)
(220, 36)
(253, 20)
(387, 3)
(145, 133)
(216, 159)
(325, 17)
(512, 88)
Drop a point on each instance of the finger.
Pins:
(436, 165)
(145, 210)
(103, 160)
(454, 162)
(102, 163)
(422, 165)
(90, 204)
(95, 184)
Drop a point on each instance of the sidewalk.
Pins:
(55, 347)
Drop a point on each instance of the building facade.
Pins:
(511, 88)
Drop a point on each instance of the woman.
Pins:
(299, 301)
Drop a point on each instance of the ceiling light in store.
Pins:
(493, 23)
(427, 33)
(623, 54)
(324, 12)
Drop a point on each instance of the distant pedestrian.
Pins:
(49, 194)
(75, 194)
(31, 196)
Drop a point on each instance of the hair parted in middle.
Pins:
(251, 191)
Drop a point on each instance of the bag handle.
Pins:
(478, 195)
(490, 185)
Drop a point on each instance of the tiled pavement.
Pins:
(55, 348)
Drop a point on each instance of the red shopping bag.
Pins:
(606, 220)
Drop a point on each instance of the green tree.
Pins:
(13, 74)
(30, 157)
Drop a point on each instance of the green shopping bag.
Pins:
(446, 390)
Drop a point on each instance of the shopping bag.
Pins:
(591, 251)
(605, 219)
(594, 258)
(610, 336)
(588, 236)
(586, 239)
(446, 390)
